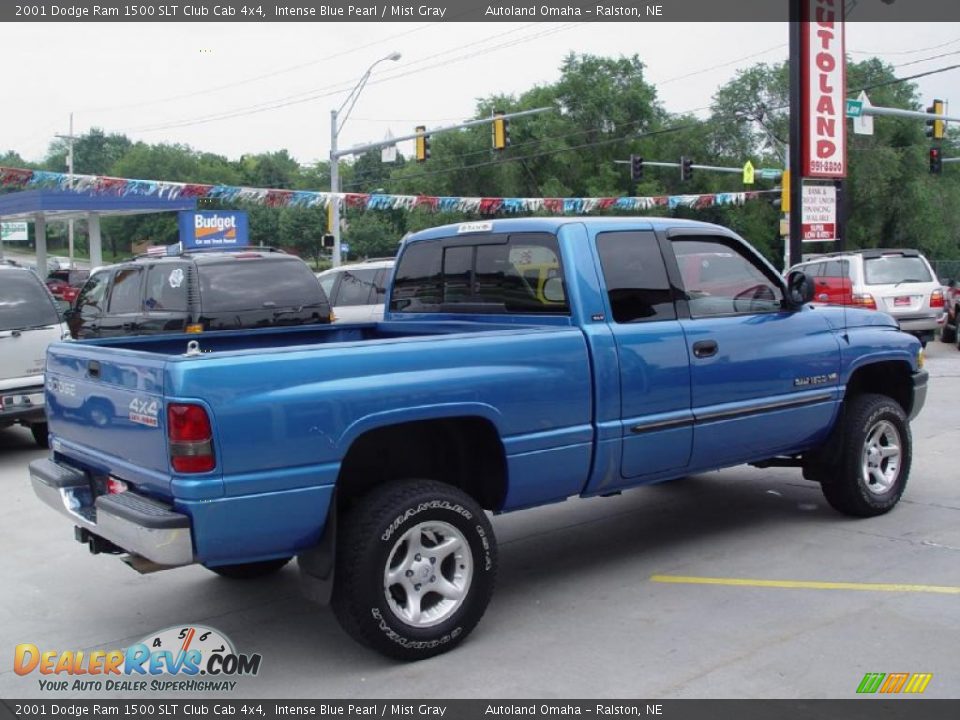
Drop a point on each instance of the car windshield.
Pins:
(24, 302)
(895, 269)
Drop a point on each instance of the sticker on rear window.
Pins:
(144, 412)
(474, 227)
(176, 277)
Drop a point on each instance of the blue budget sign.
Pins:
(213, 228)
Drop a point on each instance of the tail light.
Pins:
(936, 299)
(864, 300)
(191, 439)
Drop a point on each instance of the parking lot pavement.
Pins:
(577, 612)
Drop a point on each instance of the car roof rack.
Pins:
(201, 251)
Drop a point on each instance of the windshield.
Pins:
(25, 302)
(893, 269)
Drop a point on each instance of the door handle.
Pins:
(705, 348)
(93, 368)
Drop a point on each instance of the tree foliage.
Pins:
(605, 110)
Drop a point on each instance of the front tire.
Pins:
(874, 458)
(416, 567)
(948, 333)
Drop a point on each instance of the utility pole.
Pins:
(69, 138)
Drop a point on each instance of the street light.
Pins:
(336, 125)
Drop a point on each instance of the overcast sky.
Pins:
(159, 82)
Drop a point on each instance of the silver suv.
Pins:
(29, 321)
(901, 283)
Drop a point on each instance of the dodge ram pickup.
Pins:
(520, 362)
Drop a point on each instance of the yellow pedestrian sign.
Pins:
(748, 173)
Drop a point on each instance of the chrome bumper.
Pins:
(137, 524)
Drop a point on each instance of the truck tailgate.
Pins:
(106, 411)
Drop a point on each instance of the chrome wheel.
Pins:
(880, 461)
(428, 574)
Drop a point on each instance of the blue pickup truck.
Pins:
(519, 363)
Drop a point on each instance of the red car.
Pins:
(65, 284)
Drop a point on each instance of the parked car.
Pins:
(898, 282)
(29, 321)
(65, 284)
(356, 291)
(198, 291)
(951, 306)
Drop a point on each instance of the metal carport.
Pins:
(41, 206)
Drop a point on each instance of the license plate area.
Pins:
(902, 301)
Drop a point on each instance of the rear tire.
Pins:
(416, 566)
(41, 434)
(249, 571)
(948, 333)
(874, 458)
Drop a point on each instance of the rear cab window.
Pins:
(166, 288)
(517, 273)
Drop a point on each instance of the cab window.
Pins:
(719, 280)
(636, 277)
(519, 273)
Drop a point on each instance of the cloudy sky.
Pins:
(242, 88)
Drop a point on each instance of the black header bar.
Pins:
(640, 11)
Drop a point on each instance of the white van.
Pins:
(29, 321)
(356, 291)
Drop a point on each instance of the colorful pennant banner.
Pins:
(102, 185)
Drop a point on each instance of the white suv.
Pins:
(28, 323)
(901, 283)
(357, 291)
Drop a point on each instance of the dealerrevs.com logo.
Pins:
(179, 658)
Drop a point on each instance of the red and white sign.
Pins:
(824, 89)
(818, 221)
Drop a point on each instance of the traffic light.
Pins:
(501, 130)
(935, 127)
(936, 161)
(636, 168)
(686, 168)
(423, 143)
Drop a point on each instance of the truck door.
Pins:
(656, 420)
(765, 380)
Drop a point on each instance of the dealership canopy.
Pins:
(40, 206)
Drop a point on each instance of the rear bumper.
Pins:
(23, 405)
(924, 324)
(137, 524)
(919, 392)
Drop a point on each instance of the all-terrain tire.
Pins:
(416, 567)
(874, 455)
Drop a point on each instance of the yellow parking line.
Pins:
(806, 584)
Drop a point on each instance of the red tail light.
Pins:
(191, 439)
(936, 299)
(865, 301)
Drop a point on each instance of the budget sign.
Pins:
(213, 229)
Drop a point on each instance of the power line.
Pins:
(717, 67)
(255, 78)
(316, 94)
(928, 59)
(904, 52)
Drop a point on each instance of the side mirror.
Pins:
(799, 288)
